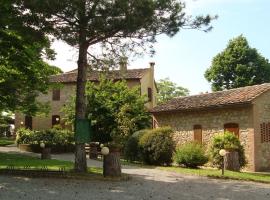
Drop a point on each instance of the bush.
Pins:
(226, 141)
(24, 136)
(58, 139)
(157, 146)
(191, 155)
(131, 149)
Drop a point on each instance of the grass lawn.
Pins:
(247, 176)
(20, 161)
(4, 141)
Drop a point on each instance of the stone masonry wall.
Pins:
(261, 115)
(212, 123)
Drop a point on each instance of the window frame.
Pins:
(56, 94)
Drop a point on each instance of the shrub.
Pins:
(226, 141)
(58, 139)
(131, 149)
(24, 136)
(157, 146)
(191, 155)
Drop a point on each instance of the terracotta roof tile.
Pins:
(237, 96)
(70, 77)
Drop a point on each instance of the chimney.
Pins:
(152, 65)
(123, 64)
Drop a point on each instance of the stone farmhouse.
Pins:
(244, 111)
(57, 98)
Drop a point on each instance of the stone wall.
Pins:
(212, 122)
(261, 115)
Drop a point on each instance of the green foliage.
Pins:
(23, 73)
(168, 90)
(226, 141)
(51, 137)
(237, 66)
(115, 110)
(4, 141)
(24, 136)
(191, 155)
(132, 149)
(157, 146)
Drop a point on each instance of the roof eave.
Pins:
(244, 104)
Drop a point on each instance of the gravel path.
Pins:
(146, 184)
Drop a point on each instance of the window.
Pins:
(233, 128)
(197, 131)
(28, 121)
(56, 94)
(149, 93)
(55, 120)
(265, 132)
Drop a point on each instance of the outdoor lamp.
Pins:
(105, 151)
(42, 145)
(222, 152)
(57, 119)
(21, 123)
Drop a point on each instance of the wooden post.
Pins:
(111, 164)
(231, 161)
(93, 151)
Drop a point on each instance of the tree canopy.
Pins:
(238, 65)
(115, 110)
(23, 73)
(168, 90)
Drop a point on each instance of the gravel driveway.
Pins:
(145, 184)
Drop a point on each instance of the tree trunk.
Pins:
(80, 112)
(231, 161)
(111, 164)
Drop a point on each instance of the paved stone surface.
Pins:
(146, 184)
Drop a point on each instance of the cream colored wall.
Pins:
(261, 115)
(147, 81)
(212, 123)
(45, 122)
(133, 83)
(42, 122)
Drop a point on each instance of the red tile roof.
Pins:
(238, 96)
(71, 77)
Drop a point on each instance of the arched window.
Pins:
(233, 128)
(55, 120)
(197, 131)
